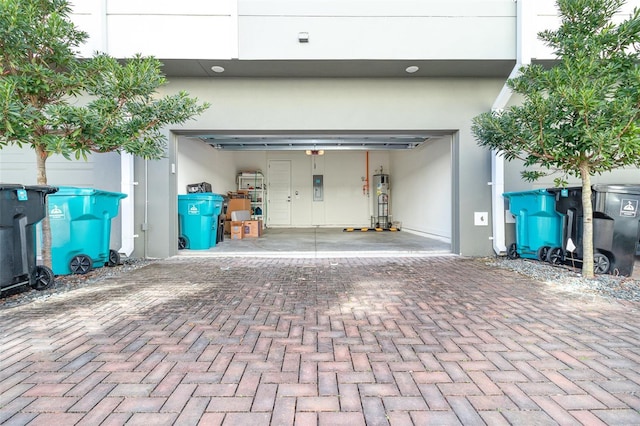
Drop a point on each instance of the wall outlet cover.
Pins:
(481, 218)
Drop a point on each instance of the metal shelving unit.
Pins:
(253, 183)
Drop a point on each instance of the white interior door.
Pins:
(279, 193)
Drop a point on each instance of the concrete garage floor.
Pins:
(326, 242)
(332, 242)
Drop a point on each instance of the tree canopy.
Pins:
(58, 103)
(61, 104)
(579, 116)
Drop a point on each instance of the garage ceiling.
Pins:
(352, 141)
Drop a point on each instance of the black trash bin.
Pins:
(21, 208)
(619, 203)
(615, 227)
(220, 233)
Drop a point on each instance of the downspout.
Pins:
(524, 22)
(127, 204)
(127, 182)
(145, 225)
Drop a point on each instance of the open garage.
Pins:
(334, 181)
(409, 129)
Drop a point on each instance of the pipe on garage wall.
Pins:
(524, 24)
(366, 179)
(127, 204)
(127, 183)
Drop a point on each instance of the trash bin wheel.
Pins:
(114, 258)
(81, 264)
(512, 252)
(601, 263)
(44, 278)
(555, 256)
(182, 243)
(542, 253)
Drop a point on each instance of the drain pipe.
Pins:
(145, 225)
(127, 204)
(524, 21)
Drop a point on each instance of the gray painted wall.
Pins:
(404, 29)
(99, 171)
(349, 104)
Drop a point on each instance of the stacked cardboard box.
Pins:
(252, 228)
(245, 229)
(237, 230)
(236, 204)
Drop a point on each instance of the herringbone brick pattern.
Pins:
(320, 342)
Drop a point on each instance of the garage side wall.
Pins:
(422, 188)
(199, 162)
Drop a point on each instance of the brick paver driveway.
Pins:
(350, 341)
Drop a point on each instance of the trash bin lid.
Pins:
(41, 188)
(199, 196)
(521, 193)
(72, 190)
(618, 188)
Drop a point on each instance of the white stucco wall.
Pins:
(164, 29)
(345, 202)
(546, 18)
(247, 29)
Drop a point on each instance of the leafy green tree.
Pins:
(581, 116)
(57, 103)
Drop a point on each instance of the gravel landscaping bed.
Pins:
(64, 283)
(570, 279)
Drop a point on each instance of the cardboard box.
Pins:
(241, 193)
(252, 228)
(227, 227)
(238, 204)
(237, 230)
(241, 215)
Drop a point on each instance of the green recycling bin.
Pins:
(21, 209)
(198, 220)
(80, 221)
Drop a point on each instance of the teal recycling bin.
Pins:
(80, 221)
(198, 220)
(538, 224)
(21, 209)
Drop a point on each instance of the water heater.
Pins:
(381, 201)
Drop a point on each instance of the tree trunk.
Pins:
(41, 160)
(587, 223)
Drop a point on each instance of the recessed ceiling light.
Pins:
(217, 68)
(411, 69)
